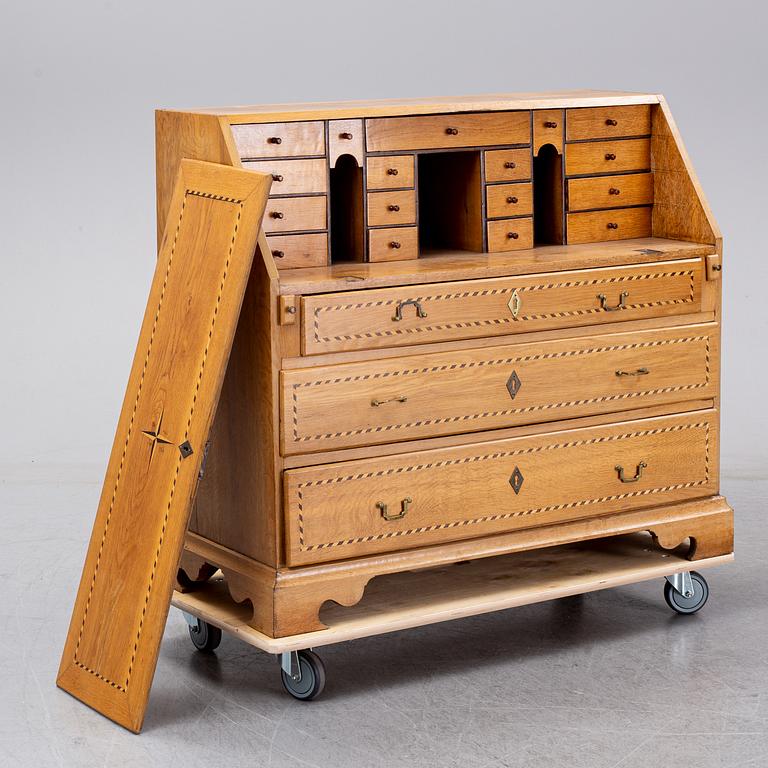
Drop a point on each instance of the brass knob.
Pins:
(512, 200)
(276, 214)
(278, 254)
(393, 207)
(614, 191)
(274, 140)
(611, 121)
(277, 177)
(452, 131)
(391, 171)
(610, 156)
(512, 235)
(394, 244)
(345, 135)
(612, 225)
(550, 124)
(510, 164)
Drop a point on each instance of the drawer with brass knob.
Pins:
(607, 122)
(257, 140)
(388, 208)
(293, 177)
(394, 172)
(393, 243)
(504, 200)
(610, 191)
(295, 214)
(614, 224)
(353, 508)
(593, 157)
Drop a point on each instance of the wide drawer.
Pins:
(386, 209)
(613, 224)
(255, 140)
(293, 214)
(591, 157)
(429, 395)
(416, 314)
(610, 191)
(607, 122)
(293, 251)
(340, 510)
(388, 134)
(293, 177)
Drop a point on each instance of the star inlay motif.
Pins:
(155, 436)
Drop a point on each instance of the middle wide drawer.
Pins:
(429, 395)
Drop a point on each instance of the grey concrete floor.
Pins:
(612, 679)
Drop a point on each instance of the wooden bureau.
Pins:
(473, 326)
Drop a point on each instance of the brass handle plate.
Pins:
(636, 372)
(398, 399)
(514, 303)
(401, 304)
(638, 473)
(621, 305)
(404, 504)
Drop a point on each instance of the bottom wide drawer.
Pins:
(354, 508)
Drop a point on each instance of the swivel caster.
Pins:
(686, 592)
(303, 674)
(205, 637)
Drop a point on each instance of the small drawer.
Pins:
(617, 224)
(548, 128)
(591, 157)
(295, 214)
(390, 172)
(607, 122)
(345, 137)
(468, 309)
(510, 235)
(353, 508)
(481, 129)
(504, 200)
(393, 244)
(390, 208)
(293, 251)
(507, 165)
(610, 191)
(255, 140)
(293, 177)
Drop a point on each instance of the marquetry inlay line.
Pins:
(488, 363)
(123, 687)
(503, 320)
(505, 515)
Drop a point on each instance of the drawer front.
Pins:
(390, 134)
(507, 165)
(256, 140)
(294, 214)
(394, 244)
(338, 510)
(386, 209)
(431, 395)
(610, 191)
(419, 314)
(548, 129)
(618, 224)
(510, 235)
(390, 172)
(607, 122)
(593, 157)
(292, 251)
(504, 200)
(293, 177)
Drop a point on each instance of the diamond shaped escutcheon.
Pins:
(513, 384)
(516, 480)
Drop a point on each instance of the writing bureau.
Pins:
(473, 327)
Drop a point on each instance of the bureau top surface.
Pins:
(427, 105)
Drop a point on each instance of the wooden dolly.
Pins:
(415, 598)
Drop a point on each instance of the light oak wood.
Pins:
(505, 200)
(507, 164)
(345, 137)
(293, 214)
(447, 131)
(293, 177)
(294, 251)
(390, 172)
(387, 209)
(510, 234)
(593, 157)
(548, 128)
(440, 394)
(393, 244)
(607, 122)
(616, 224)
(122, 603)
(610, 191)
(279, 139)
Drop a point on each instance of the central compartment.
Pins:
(450, 198)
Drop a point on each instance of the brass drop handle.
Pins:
(398, 399)
(550, 124)
(277, 177)
(404, 504)
(452, 131)
(399, 309)
(612, 225)
(394, 208)
(512, 235)
(391, 171)
(610, 156)
(394, 244)
(345, 135)
(614, 191)
(278, 254)
(510, 164)
(274, 140)
(636, 372)
(512, 200)
(604, 301)
(638, 473)
(611, 121)
(277, 214)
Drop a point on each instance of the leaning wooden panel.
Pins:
(111, 650)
